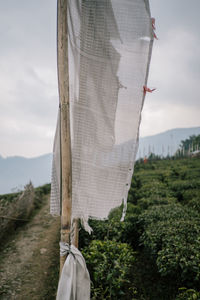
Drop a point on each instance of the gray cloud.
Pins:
(176, 13)
(175, 68)
(28, 73)
(28, 82)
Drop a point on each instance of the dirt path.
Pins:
(29, 262)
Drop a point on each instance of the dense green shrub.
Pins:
(6, 199)
(183, 189)
(110, 264)
(194, 203)
(40, 192)
(188, 294)
(145, 203)
(15, 209)
(172, 237)
(127, 231)
(18, 208)
(153, 188)
(191, 194)
(162, 224)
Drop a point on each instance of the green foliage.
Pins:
(171, 181)
(182, 189)
(110, 265)
(188, 294)
(162, 224)
(194, 203)
(113, 229)
(153, 157)
(18, 208)
(6, 199)
(40, 192)
(190, 144)
(172, 237)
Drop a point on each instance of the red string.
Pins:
(146, 89)
(155, 36)
(153, 21)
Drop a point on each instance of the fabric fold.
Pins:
(110, 43)
(74, 283)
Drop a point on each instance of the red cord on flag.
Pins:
(153, 21)
(155, 36)
(146, 89)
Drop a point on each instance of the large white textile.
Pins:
(110, 43)
(74, 283)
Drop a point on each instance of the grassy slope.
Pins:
(29, 252)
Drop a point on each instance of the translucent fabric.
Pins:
(110, 43)
(74, 282)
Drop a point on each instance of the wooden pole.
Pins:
(76, 233)
(63, 83)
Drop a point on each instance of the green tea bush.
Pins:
(162, 224)
(188, 294)
(172, 237)
(110, 264)
(182, 188)
(145, 203)
(153, 188)
(127, 231)
(191, 194)
(194, 203)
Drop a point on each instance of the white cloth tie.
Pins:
(74, 283)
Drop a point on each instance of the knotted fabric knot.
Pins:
(74, 283)
(65, 249)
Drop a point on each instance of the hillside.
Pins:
(18, 171)
(28, 258)
(153, 254)
(165, 143)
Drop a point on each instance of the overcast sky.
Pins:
(28, 73)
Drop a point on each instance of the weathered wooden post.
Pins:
(63, 84)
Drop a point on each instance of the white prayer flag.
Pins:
(110, 44)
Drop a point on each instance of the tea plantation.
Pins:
(155, 253)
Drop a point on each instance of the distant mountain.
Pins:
(16, 171)
(165, 143)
